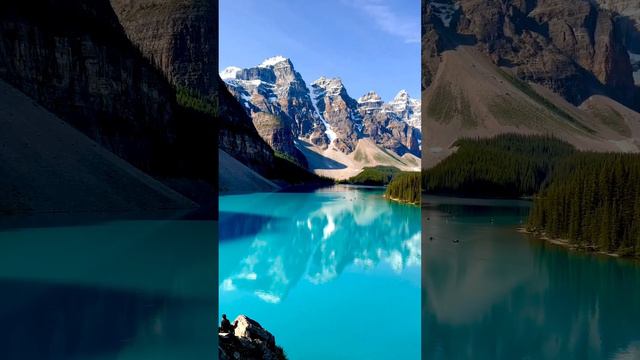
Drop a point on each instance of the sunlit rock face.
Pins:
(394, 125)
(250, 341)
(575, 48)
(323, 112)
(278, 100)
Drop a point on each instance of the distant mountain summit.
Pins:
(288, 113)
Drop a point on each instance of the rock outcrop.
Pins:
(627, 20)
(250, 341)
(390, 124)
(339, 110)
(572, 48)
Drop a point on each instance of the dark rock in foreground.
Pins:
(250, 341)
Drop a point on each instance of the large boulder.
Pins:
(250, 341)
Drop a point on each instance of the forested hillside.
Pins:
(593, 200)
(507, 165)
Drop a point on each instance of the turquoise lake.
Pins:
(102, 289)
(491, 292)
(333, 274)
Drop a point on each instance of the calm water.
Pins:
(333, 274)
(499, 294)
(126, 290)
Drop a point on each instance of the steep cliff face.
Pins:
(573, 48)
(72, 58)
(627, 19)
(339, 111)
(237, 135)
(180, 36)
(431, 45)
(277, 99)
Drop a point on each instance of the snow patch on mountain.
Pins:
(407, 108)
(331, 86)
(370, 102)
(314, 100)
(402, 106)
(230, 73)
(273, 61)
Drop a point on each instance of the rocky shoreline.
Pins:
(565, 243)
(398, 200)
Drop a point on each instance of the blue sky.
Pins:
(370, 44)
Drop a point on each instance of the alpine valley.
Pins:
(320, 127)
(567, 68)
(531, 179)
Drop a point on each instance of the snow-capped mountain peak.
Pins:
(370, 102)
(371, 96)
(230, 72)
(330, 86)
(286, 110)
(406, 107)
(272, 61)
(402, 95)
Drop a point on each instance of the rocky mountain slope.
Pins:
(627, 20)
(181, 38)
(48, 166)
(539, 66)
(295, 117)
(238, 178)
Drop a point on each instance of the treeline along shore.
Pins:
(588, 200)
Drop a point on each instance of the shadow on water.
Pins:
(238, 225)
(110, 290)
(62, 219)
(499, 294)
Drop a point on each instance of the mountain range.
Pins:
(569, 69)
(320, 126)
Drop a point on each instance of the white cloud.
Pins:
(382, 13)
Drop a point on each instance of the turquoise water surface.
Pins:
(105, 289)
(333, 274)
(494, 293)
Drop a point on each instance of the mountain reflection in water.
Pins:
(295, 239)
(501, 294)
